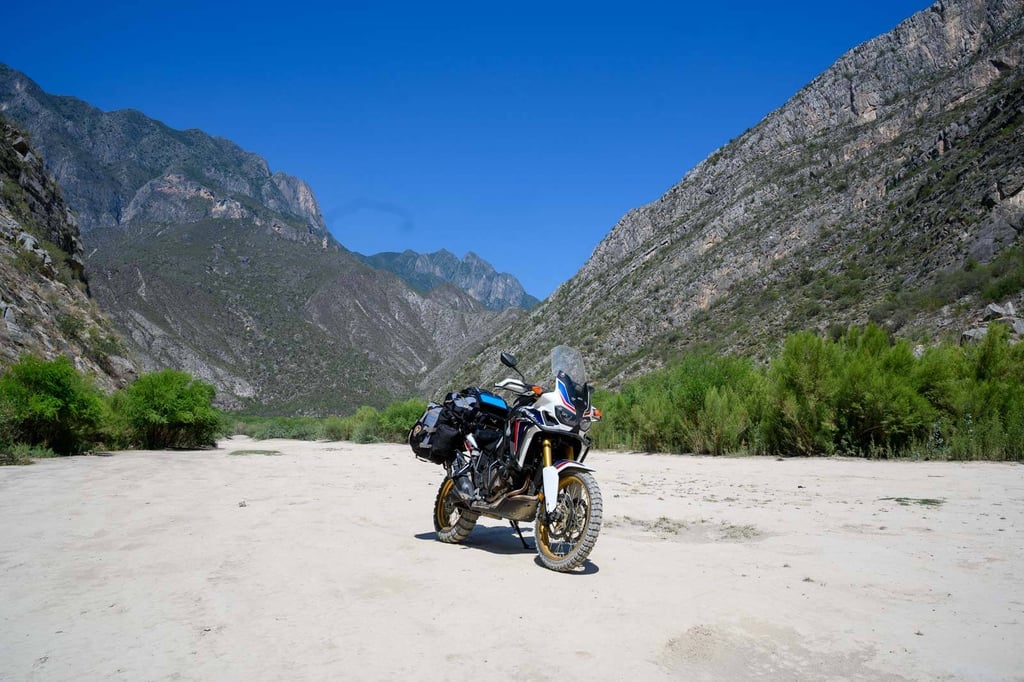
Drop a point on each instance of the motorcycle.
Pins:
(521, 462)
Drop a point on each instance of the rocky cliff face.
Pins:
(45, 308)
(208, 262)
(858, 200)
(121, 167)
(472, 274)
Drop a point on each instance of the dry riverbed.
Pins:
(280, 559)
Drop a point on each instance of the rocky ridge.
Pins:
(858, 200)
(208, 262)
(45, 308)
(472, 274)
(121, 167)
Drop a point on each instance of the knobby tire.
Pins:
(452, 521)
(564, 545)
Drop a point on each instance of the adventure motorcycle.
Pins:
(522, 462)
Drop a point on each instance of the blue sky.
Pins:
(519, 131)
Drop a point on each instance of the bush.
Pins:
(721, 423)
(987, 400)
(615, 428)
(398, 418)
(262, 428)
(855, 392)
(367, 425)
(668, 410)
(21, 454)
(878, 407)
(336, 428)
(800, 416)
(48, 403)
(171, 409)
(364, 425)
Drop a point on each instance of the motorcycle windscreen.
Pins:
(568, 360)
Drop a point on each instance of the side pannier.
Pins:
(432, 438)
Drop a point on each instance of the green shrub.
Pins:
(20, 453)
(662, 411)
(365, 425)
(800, 418)
(878, 407)
(296, 428)
(1006, 275)
(262, 428)
(855, 392)
(336, 428)
(171, 409)
(721, 423)
(49, 403)
(987, 401)
(116, 433)
(397, 418)
(615, 428)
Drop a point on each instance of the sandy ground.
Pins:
(320, 563)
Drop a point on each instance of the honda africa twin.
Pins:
(520, 462)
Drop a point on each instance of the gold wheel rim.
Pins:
(446, 508)
(579, 524)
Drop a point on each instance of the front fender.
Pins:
(563, 465)
(551, 475)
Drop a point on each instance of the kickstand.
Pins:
(515, 524)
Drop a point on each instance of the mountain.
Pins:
(472, 274)
(209, 262)
(888, 189)
(122, 167)
(45, 307)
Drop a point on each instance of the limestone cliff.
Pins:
(860, 199)
(45, 308)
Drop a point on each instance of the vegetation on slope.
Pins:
(861, 393)
(48, 408)
(366, 425)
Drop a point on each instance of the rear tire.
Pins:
(564, 543)
(452, 521)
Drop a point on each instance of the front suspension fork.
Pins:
(549, 477)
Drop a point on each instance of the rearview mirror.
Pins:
(508, 360)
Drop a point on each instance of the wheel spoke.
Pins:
(566, 531)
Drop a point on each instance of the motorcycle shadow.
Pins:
(504, 540)
(493, 539)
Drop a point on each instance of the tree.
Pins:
(171, 409)
(49, 403)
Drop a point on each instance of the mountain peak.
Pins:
(137, 169)
(472, 274)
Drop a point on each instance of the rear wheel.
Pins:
(452, 521)
(565, 539)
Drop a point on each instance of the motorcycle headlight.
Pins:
(565, 416)
(585, 424)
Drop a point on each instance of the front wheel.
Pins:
(566, 536)
(452, 521)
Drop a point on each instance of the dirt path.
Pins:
(320, 563)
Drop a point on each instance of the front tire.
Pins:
(452, 521)
(564, 542)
